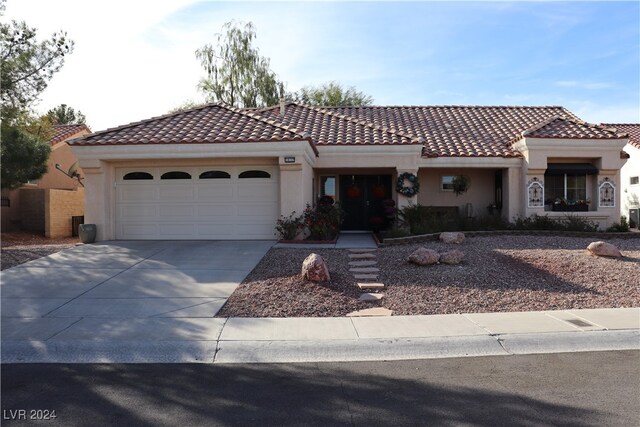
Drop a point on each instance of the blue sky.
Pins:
(582, 55)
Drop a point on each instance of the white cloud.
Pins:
(584, 84)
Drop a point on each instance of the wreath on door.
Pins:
(407, 190)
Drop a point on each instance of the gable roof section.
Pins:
(561, 128)
(209, 124)
(461, 131)
(327, 127)
(63, 132)
(631, 129)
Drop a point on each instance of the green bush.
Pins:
(324, 220)
(288, 227)
(578, 223)
(621, 227)
(425, 220)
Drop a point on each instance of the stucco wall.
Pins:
(62, 155)
(480, 194)
(630, 196)
(11, 214)
(59, 207)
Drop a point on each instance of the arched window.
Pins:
(131, 176)
(175, 175)
(255, 174)
(215, 175)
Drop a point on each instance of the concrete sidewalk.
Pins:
(271, 340)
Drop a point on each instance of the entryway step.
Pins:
(364, 270)
(362, 263)
(365, 276)
(361, 251)
(370, 285)
(369, 296)
(362, 256)
(368, 312)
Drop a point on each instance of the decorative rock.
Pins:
(424, 256)
(362, 263)
(452, 237)
(377, 311)
(365, 270)
(371, 285)
(371, 297)
(315, 269)
(603, 249)
(362, 256)
(365, 276)
(452, 257)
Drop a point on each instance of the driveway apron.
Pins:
(126, 291)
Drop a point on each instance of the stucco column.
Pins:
(295, 187)
(513, 194)
(98, 201)
(404, 200)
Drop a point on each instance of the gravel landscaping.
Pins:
(18, 247)
(499, 273)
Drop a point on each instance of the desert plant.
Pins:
(323, 221)
(288, 227)
(461, 184)
(578, 223)
(619, 227)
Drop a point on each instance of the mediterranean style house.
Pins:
(217, 172)
(630, 172)
(47, 205)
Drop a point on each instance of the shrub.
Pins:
(621, 227)
(288, 227)
(536, 222)
(323, 221)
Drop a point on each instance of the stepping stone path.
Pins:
(362, 264)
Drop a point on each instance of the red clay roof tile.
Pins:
(63, 132)
(631, 129)
(560, 128)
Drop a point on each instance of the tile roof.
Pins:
(63, 132)
(327, 127)
(561, 128)
(632, 129)
(447, 131)
(212, 123)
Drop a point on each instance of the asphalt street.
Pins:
(569, 389)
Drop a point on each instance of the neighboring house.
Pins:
(216, 172)
(630, 173)
(47, 205)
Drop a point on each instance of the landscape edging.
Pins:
(435, 236)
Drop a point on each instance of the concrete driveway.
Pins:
(126, 291)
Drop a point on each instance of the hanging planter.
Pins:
(461, 184)
(379, 192)
(413, 186)
(353, 191)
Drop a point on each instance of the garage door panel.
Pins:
(228, 208)
(138, 212)
(215, 192)
(177, 193)
(142, 193)
(258, 192)
(170, 211)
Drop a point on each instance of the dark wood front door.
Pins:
(361, 197)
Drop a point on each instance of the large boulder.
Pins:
(452, 257)
(603, 249)
(424, 256)
(452, 237)
(315, 269)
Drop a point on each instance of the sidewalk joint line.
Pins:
(215, 354)
(105, 280)
(61, 331)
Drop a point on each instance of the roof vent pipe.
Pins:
(282, 106)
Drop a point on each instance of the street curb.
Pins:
(227, 352)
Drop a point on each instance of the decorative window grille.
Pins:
(536, 193)
(607, 194)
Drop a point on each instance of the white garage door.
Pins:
(197, 202)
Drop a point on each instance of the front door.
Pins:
(361, 197)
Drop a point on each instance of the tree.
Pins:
(186, 105)
(236, 73)
(23, 156)
(27, 65)
(64, 115)
(331, 94)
